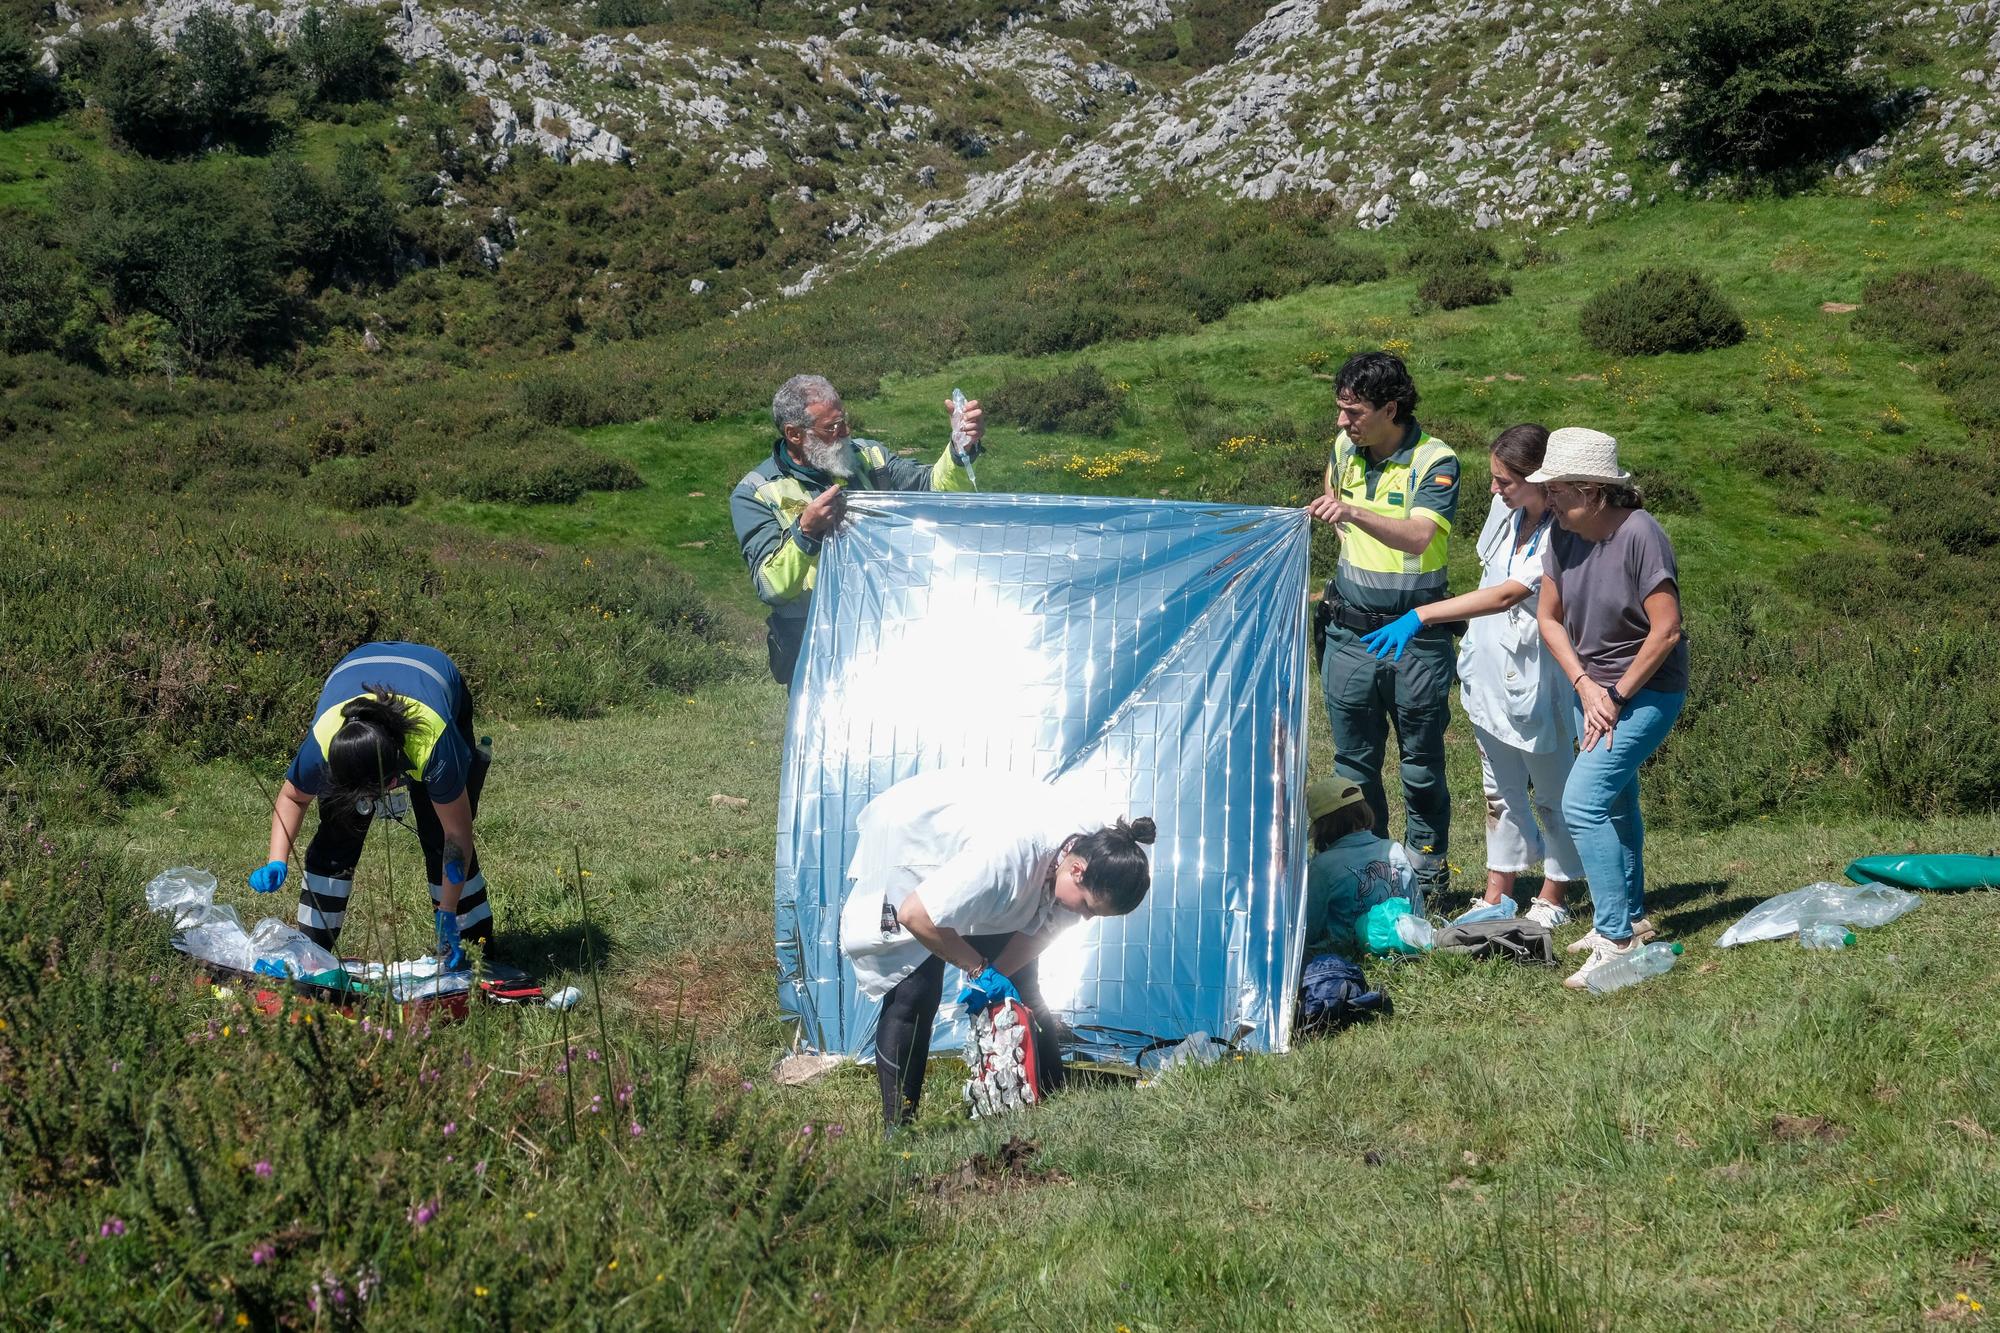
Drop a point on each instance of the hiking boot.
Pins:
(1545, 913)
(1604, 951)
(1434, 881)
(1642, 931)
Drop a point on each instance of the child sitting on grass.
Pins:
(1352, 869)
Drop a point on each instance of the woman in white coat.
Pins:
(1520, 705)
(982, 871)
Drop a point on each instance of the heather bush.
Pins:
(1660, 310)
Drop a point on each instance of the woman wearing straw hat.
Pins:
(1611, 615)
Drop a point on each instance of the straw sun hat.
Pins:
(1578, 454)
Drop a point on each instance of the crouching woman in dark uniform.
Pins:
(391, 736)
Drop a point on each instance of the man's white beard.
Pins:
(833, 457)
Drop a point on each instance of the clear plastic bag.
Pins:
(277, 940)
(222, 942)
(1864, 905)
(180, 893)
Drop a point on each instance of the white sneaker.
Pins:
(1600, 954)
(1545, 913)
(1642, 931)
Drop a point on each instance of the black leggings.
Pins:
(903, 1033)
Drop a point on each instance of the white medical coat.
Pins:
(977, 847)
(1508, 680)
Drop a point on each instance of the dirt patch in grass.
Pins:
(708, 987)
(1799, 1128)
(989, 1173)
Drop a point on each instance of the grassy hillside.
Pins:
(531, 468)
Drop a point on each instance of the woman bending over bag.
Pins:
(980, 871)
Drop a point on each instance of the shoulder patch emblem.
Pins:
(1444, 479)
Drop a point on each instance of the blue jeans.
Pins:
(1601, 807)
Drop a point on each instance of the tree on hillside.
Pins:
(342, 58)
(193, 246)
(24, 89)
(1760, 86)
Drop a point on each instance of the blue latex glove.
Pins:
(986, 990)
(269, 877)
(1395, 635)
(449, 946)
(454, 872)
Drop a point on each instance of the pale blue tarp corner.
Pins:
(1152, 649)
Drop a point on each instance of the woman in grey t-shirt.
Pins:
(1610, 613)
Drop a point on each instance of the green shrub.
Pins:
(1660, 310)
(1932, 310)
(1834, 722)
(555, 470)
(1076, 401)
(1792, 464)
(628, 13)
(1450, 248)
(581, 395)
(204, 631)
(1456, 286)
(1762, 85)
(1669, 492)
(1952, 314)
(34, 291)
(351, 483)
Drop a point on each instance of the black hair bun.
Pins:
(1141, 830)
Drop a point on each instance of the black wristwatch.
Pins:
(1616, 698)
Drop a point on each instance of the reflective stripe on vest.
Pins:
(1368, 563)
(424, 736)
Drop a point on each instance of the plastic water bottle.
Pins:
(1825, 935)
(961, 439)
(1632, 968)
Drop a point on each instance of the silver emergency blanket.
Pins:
(1154, 649)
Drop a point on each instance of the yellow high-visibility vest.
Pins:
(1388, 579)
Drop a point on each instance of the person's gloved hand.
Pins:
(269, 877)
(1393, 637)
(986, 990)
(450, 948)
(454, 871)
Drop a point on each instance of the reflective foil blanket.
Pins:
(1151, 650)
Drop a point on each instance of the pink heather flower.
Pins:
(747, 1085)
(806, 1133)
(624, 1094)
(367, 1025)
(262, 1253)
(263, 1170)
(112, 1226)
(592, 1056)
(425, 1213)
(835, 1131)
(450, 1128)
(638, 1130)
(479, 1169)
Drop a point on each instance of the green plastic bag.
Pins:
(1928, 872)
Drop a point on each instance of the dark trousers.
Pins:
(335, 851)
(1364, 694)
(903, 1034)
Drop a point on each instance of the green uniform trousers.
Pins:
(1364, 693)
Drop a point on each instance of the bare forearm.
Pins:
(1660, 641)
(1559, 646)
(1471, 605)
(1408, 535)
(287, 814)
